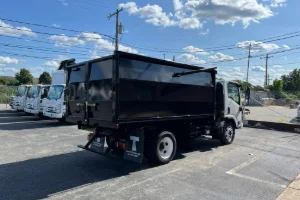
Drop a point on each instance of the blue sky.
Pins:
(209, 33)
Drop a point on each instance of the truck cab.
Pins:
(20, 99)
(35, 101)
(228, 100)
(55, 104)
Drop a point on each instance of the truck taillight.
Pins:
(90, 136)
(121, 145)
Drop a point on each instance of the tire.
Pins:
(163, 148)
(62, 119)
(228, 134)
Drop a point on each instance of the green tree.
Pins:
(24, 76)
(277, 88)
(45, 78)
(3, 81)
(244, 84)
(291, 82)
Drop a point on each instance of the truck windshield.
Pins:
(55, 92)
(34, 92)
(21, 91)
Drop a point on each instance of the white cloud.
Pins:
(153, 13)
(281, 70)
(56, 25)
(63, 40)
(206, 32)
(277, 66)
(11, 69)
(192, 49)
(278, 3)
(63, 2)
(8, 60)
(285, 46)
(191, 59)
(6, 29)
(229, 11)
(190, 23)
(221, 57)
(52, 63)
(36, 69)
(257, 46)
(237, 69)
(94, 55)
(257, 68)
(178, 5)
(105, 45)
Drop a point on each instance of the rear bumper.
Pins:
(53, 115)
(31, 111)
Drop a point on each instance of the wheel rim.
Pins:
(165, 147)
(229, 133)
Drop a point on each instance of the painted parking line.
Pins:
(247, 163)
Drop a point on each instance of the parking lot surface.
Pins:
(39, 159)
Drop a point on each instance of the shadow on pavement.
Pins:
(38, 178)
(33, 124)
(41, 177)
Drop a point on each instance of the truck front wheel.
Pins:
(228, 134)
(163, 148)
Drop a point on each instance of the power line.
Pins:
(220, 48)
(41, 49)
(58, 28)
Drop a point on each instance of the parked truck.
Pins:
(36, 99)
(55, 103)
(141, 106)
(19, 101)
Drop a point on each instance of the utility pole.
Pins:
(164, 56)
(269, 79)
(174, 58)
(117, 27)
(266, 76)
(249, 57)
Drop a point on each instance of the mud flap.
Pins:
(134, 150)
(99, 144)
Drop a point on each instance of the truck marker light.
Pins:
(117, 126)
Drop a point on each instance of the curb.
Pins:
(292, 128)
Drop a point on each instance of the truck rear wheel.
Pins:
(163, 148)
(228, 134)
(62, 119)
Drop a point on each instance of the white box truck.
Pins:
(36, 99)
(20, 98)
(55, 106)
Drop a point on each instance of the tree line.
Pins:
(25, 77)
(288, 86)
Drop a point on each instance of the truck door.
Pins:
(99, 91)
(76, 94)
(233, 106)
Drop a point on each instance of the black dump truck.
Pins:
(145, 107)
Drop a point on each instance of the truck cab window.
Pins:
(233, 92)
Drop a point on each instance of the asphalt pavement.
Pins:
(39, 159)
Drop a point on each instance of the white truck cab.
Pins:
(55, 103)
(19, 102)
(35, 101)
(229, 100)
